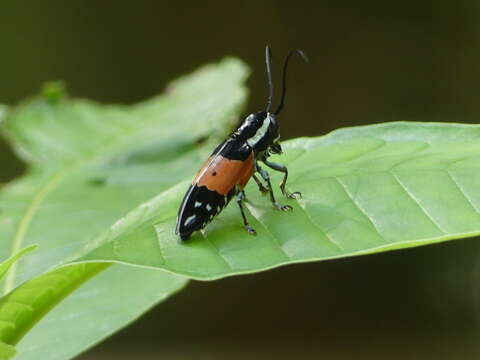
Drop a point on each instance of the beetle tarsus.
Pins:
(294, 195)
(282, 207)
(250, 230)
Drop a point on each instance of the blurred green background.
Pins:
(371, 61)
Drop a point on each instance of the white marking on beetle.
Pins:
(189, 220)
(260, 132)
(198, 204)
(208, 207)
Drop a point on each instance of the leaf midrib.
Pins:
(25, 222)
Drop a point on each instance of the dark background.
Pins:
(371, 61)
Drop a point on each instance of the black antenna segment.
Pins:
(268, 60)
(284, 86)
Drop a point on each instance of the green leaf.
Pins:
(22, 308)
(6, 351)
(106, 303)
(365, 189)
(5, 265)
(89, 164)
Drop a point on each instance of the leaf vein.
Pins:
(417, 202)
(25, 222)
(273, 239)
(324, 233)
(462, 191)
(218, 252)
(362, 211)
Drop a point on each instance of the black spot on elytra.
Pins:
(214, 173)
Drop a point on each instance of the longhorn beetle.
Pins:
(227, 171)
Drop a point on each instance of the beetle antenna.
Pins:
(285, 65)
(268, 60)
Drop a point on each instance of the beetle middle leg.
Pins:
(266, 177)
(284, 170)
(240, 200)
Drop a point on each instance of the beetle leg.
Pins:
(266, 177)
(261, 187)
(284, 170)
(240, 199)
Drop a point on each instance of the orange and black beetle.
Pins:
(234, 162)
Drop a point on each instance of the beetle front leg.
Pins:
(284, 170)
(266, 177)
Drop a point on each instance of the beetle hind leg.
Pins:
(240, 200)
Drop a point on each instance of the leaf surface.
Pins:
(5, 265)
(8, 351)
(106, 303)
(89, 164)
(365, 189)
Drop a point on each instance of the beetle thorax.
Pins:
(259, 131)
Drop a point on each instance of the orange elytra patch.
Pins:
(222, 175)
